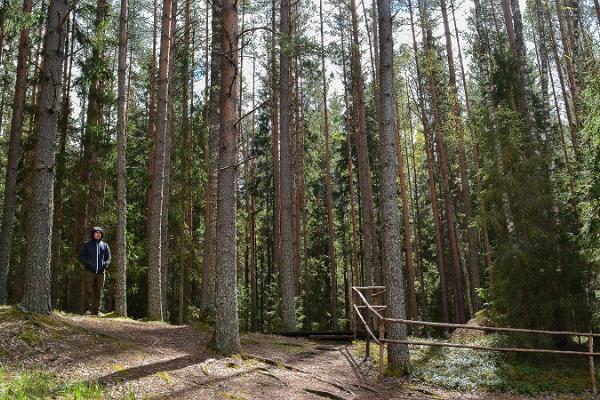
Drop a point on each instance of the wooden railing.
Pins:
(375, 320)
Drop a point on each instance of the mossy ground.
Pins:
(470, 370)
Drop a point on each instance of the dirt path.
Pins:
(161, 361)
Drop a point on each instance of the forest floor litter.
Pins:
(124, 358)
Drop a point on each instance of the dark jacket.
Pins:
(95, 254)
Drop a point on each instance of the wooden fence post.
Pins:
(591, 358)
(354, 325)
(381, 345)
(368, 341)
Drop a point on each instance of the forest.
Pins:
(251, 162)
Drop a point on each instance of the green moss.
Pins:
(468, 370)
(395, 372)
(30, 336)
(233, 365)
(165, 376)
(202, 326)
(9, 313)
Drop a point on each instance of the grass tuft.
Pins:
(27, 385)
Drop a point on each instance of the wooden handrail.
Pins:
(368, 287)
(503, 349)
(366, 325)
(488, 328)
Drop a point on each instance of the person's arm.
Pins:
(107, 256)
(83, 255)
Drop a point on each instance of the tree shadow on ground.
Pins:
(145, 370)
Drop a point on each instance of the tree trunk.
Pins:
(10, 204)
(328, 189)
(445, 179)
(63, 126)
(478, 183)
(227, 340)
(416, 206)
(354, 256)
(188, 150)
(252, 217)
(155, 307)
(94, 125)
(364, 169)
(167, 167)
(473, 265)
(597, 8)
(559, 70)
(275, 151)
(37, 284)
(151, 117)
(287, 251)
(410, 269)
(398, 357)
(121, 242)
(207, 296)
(431, 178)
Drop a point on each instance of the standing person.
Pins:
(95, 256)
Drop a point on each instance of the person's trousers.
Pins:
(92, 286)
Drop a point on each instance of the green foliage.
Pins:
(536, 280)
(34, 384)
(588, 189)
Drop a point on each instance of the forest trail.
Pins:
(162, 361)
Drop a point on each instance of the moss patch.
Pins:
(468, 370)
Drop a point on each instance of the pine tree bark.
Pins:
(559, 71)
(431, 179)
(207, 295)
(398, 357)
(37, 297)
(155, 307)
(188, 222)
(354, 256)
(151, 116)
(371, 258)
(287, 251)
(252, 216)
(477, 170)
(166, 204)
(328, 188)
(121, 240)
(410, 269)
(473, 265)
(227, 339)
(16, 128)
(597, 8)
(444, 174)
(275, 150)
(63, 126)
(95, 120)
(415, 197)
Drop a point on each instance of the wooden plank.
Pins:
(366, 325)
(488, 328)
(503, 349)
